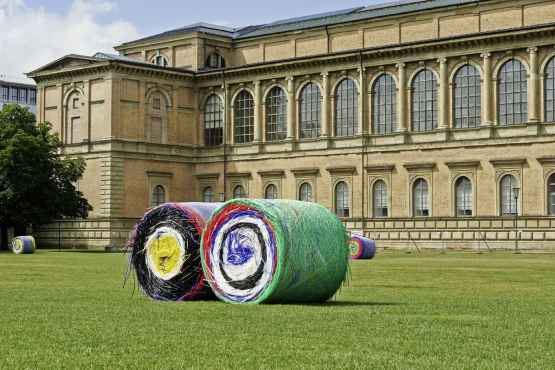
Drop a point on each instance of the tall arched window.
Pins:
(213, 132)
(346, 108)
(239, 192)
(512, 90)
(208, 194)
(463, 197)
(424, 101)
(305, 192)
(384, 105)
(551, 195)
(550, 91)
(310, 112)
(158, 195)
(507, 201)
(271, 192)
(420, 198)
(380, 199)
(276, 115)
(468, 97)
(342, 199)
(244, 117)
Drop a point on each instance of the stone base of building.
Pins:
(431, 234)
(455, 234)
(92, 233)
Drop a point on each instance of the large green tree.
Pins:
(36, 183)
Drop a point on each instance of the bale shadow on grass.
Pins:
(350, 304)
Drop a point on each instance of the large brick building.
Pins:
(412, 116)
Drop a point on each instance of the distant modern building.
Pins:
(20, 90)
(415, 120)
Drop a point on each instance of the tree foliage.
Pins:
(36, 183)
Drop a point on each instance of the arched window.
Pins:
(158, 195)
(342, 199)
(551, 195)
(508, 201)
(384, 105)
(276, 115)
(511, 94)
(346, 108)
(420, 198)
(213, 132)
(305, 192)
(310, 112)
(468, 97)
(463, 194)
(239, 192)
(160, 61)
(208, 194)
(380, 199)
(550, 91)
(424, 101)
(244, 117)
(271, 192)
(214, 60)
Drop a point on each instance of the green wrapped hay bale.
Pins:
(23, 245)
(274, 251)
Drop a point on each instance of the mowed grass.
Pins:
(67, 310)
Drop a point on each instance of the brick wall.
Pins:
(378, 36)
(500, 19)
(419, 30)
(539, 13)
(279, 50)
(459, 25)
(248, 55)
(345, 41)
(311, 46)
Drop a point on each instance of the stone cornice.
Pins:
(507, 162)
(497, 40)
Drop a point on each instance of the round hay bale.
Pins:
(23, 245)
(274, 251)
(361, 248)
(163, 249)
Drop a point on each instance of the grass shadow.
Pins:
(351, 304)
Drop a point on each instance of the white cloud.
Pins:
(32, 38)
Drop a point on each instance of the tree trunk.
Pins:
(4, 236)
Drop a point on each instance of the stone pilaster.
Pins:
(326, 113)
(290, 108)
(402, 101)
(487, 96)
(534, 102)
(111, 187)
(443, 95)
(257, 112)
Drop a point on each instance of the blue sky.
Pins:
(37, 32)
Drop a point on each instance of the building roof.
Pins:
(310, 21)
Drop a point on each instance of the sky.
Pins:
(34, 33)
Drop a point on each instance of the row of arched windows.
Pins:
(464, 202)
(467, 105)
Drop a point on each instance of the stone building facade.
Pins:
(412, 120)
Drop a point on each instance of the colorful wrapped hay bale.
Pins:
(164, 248)
(361, 248)
(274, 251)
(23, 245)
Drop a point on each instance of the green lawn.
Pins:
(67, 310)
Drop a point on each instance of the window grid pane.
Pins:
(424, 102)
(508, 204)
(157, 196)
(420, 198)
(239, 192)
(384, 111)
(380, 199)
(208, 194)
(463, 197)
(550, 91)
(551, 195)
(467, 97)
(5, 94)
(244, 117)
(276, 115)
(512, 92)
(342, 199)
(213, 132)
(271, 192)
(305, 193)
(346, 109)
(310, 112)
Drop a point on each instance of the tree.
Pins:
(36, 183)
